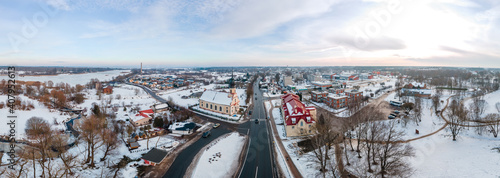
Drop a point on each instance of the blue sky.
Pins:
(180, 33)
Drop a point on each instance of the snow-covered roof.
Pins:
(160, 106)
(138, 117)
(182, 126)
(217, 97)
(335, 96)
(415, 84)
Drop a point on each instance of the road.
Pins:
(259, 161)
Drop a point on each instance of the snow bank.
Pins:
(221, 158)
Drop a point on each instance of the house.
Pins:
(142, 118)
(154, 156)
(220, 102)
(426, 93)
(183, 128)
(416, 89)
(299, 119)
(134, 145)
(416, 86)
(108, 90)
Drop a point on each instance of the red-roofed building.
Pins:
(142, 118)
(299, 119)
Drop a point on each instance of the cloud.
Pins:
(369, 44)
(58, 4)
(259, 17)
(90, 5)
(153, 21)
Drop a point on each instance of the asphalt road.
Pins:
(259, 159)
(183, 160)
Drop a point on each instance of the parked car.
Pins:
(396, 111)
(391, 117)
(250, 112)
(206, 134)
(256, 121)
(392, 114)
(216, 125)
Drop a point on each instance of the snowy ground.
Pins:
(430, 122)
(220, 159)
(491, 100)
(438, 156)
(470, 156)
(73, 79)
(305, 163)
(23, 116)
(128, 97)
(176, 95)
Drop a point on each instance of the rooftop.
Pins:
(217, 97)
(155, 155)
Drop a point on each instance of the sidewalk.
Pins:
(293, 169)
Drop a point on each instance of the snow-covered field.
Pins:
(23, 116)
(491, 100)
(220, 159)
(127, 97)
(470, 156)
(73, 79)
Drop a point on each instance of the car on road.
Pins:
(206, 134)
(216, 125)
(256, 121)
(255, 98)
(250, 112)
(391, 117)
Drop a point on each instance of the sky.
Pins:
(205, 33)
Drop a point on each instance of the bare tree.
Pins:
(493, 121)
(90, 129)
(373, 130)
(109, 140)
(436, 101)
(392, 152)
(456, 117)
(69, 160)
(322, 141)
(477, 107)
(417, 110)
(38, 130)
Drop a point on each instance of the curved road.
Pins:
(259, 158)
